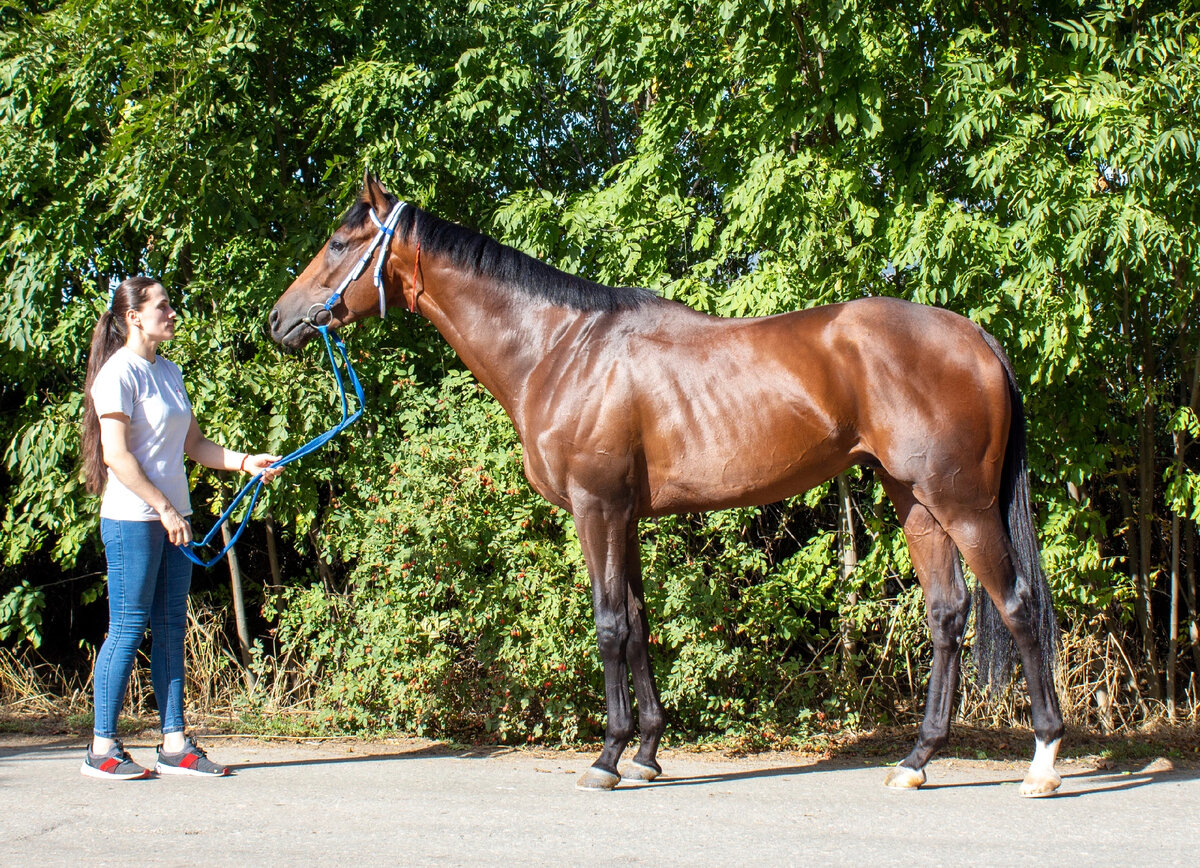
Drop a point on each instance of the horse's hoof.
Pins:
(639, 773)
(1041, 779)
(597, 780)
(904, 778)
(1037, 786)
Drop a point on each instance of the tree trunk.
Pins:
(1134, 560)
(849, 559)
(1173, 630)
(239, 607)
(273, 554)
(1192, 396)
(1190, 591)
(1145, 501)
(322, 567)
(1189, 528)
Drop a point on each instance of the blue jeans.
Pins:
(148, 583)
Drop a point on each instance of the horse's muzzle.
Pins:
(291, 332)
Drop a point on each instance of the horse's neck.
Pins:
(499, 333)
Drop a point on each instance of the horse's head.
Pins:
(302, 305)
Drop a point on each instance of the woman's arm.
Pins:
(203, 451)
(114, 441)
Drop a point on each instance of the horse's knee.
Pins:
(612, 635)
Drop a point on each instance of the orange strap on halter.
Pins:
(416, 267)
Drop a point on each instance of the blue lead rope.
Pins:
(381, 241)
(256, 483)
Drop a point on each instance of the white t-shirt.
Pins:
(153, 396)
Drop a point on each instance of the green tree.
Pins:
(1030, 165)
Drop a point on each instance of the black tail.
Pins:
(995, 651)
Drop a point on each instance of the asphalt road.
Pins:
(417, 803)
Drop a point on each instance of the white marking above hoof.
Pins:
(1042, 779)
(597, 780)
(639, 773)
(904, 778)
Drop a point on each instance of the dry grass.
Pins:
(29, 689)
(1099, 690)
(35, 694)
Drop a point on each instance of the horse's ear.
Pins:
(374, 194)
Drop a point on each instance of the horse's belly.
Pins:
(741, 470)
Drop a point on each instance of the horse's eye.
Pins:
(337, 246)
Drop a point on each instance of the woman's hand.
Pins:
(261, 463)
(179, 529)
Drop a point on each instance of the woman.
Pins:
(138, 425)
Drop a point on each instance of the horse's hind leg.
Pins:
(986, 547)
(947, 604)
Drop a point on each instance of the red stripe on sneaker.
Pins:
(109, 764)
(190, 761)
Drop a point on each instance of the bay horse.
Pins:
(631, 406)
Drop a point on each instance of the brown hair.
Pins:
(108, 337)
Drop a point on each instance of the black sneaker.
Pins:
(189, 761)
(115, 765)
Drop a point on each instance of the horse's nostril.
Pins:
(273, 319)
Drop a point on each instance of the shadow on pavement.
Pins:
(878, 750)
(66, 742)
(428, 752)
(1076, 784)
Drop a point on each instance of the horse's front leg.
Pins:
(651, 719)
(605, 534)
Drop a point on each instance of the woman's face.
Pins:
(156, 318)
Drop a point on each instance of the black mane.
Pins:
(477, 253)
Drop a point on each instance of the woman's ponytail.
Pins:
(108, 336)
